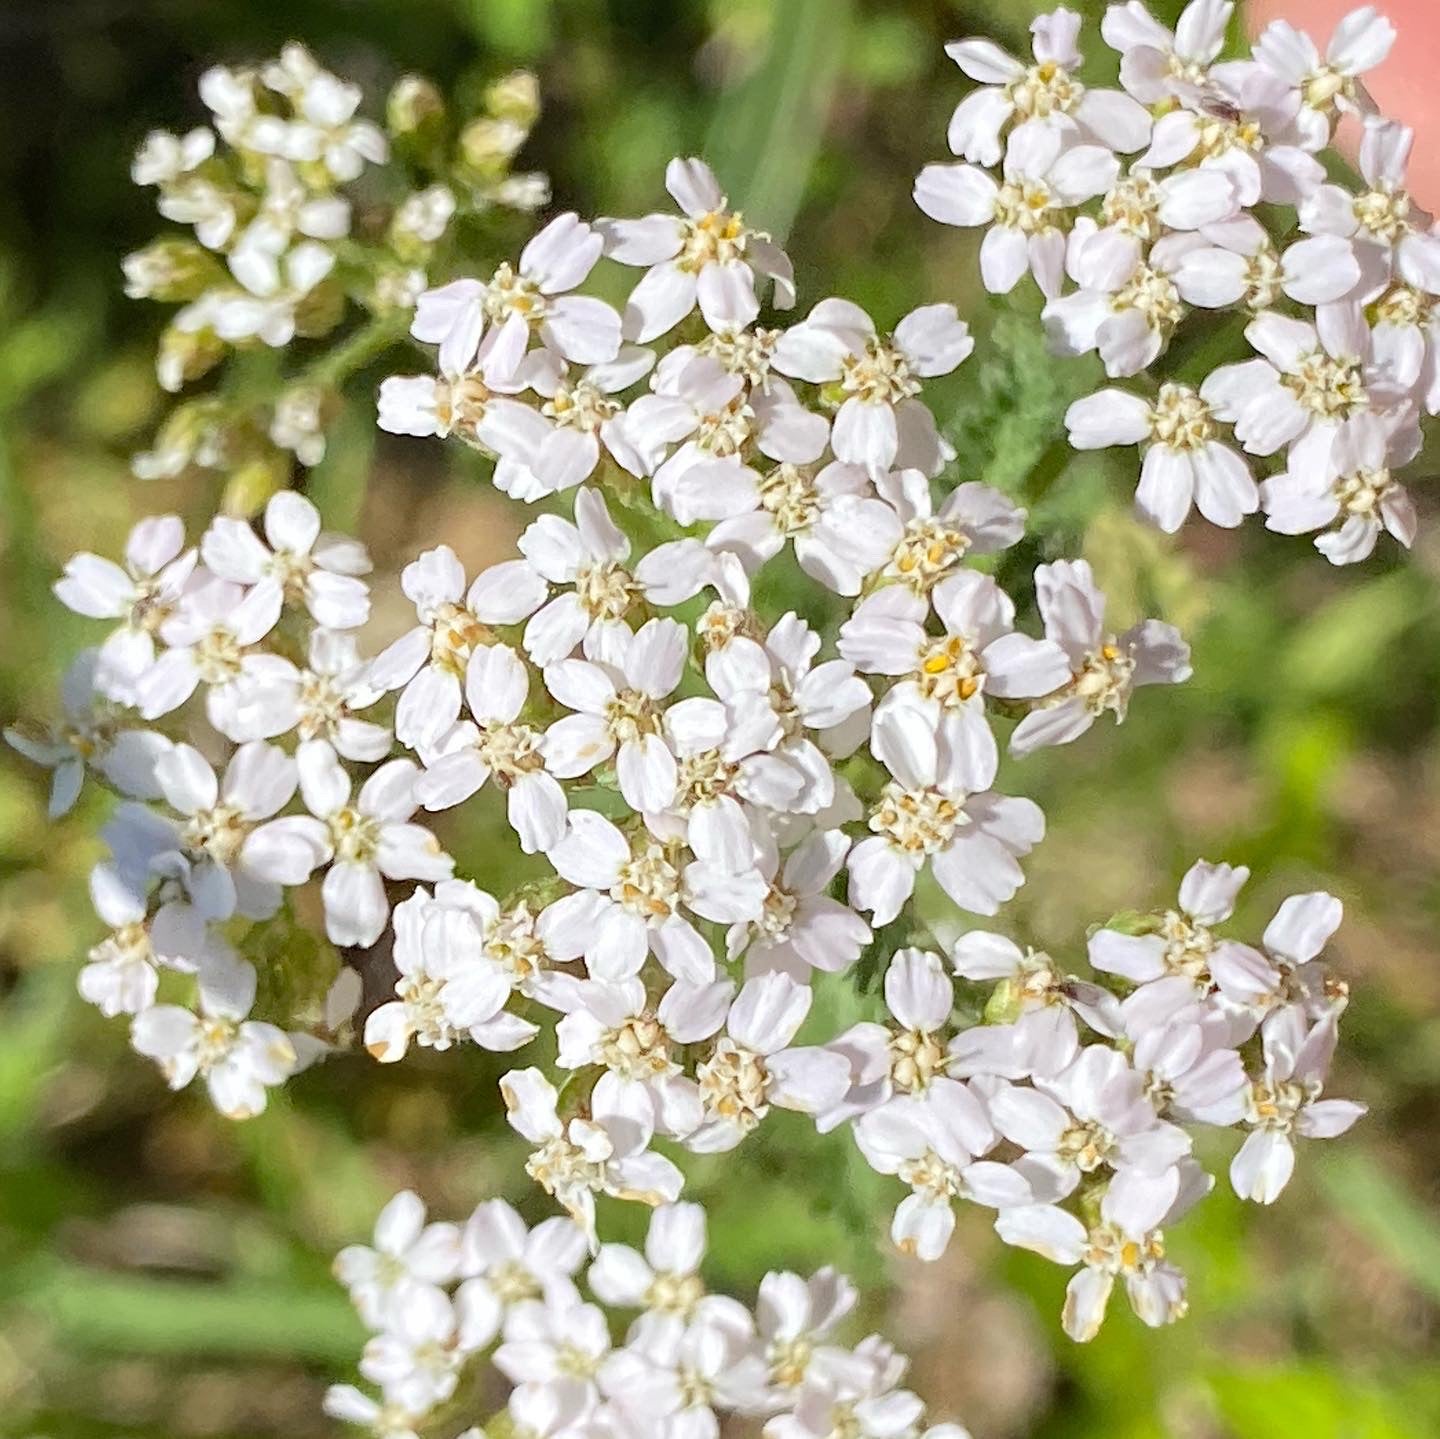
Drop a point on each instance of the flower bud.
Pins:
(173, 271)
(515, 98)
(414, 104)
(488, 145)
(252, 483)
(420, 221)
(185, 355)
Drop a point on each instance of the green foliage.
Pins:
(1306, 746)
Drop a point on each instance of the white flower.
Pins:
(836, 524)
(583, 415)
(121, 972)
(725, 773)
(1325, 85)
(1241, 265)
(1238, 124)
(384, 1420)
(1293, 942)
(1040, 1002)
(949, 675)
(213, 624)
(1182, 960)
(1127, 304)
(1312, 382)
(632, 900)
(794, 1317)
(617, 1025)
(1044, 93)
(209, 206)
(800, 927)
(665, 1279)
(1404, 335)
(495, 743)
(319, 570)
(206, 849)
(781, 676)
(931, 1140)
(142, 594)
(1043, 177)
(408, 1255)
(675, 1375)
(163, 158)
(530, 298)
(903, 1057)
(1106, 668)
(238, 1058)
(366, 839)
(515, 1263)
(607, 1152)
(553, 1352)
(880, 423)
(1351, 496)
(94, 733)
(697, 418)
(926, 544)
(937, 810)
(1157, 63)
(286, 208)
(468, 398)
(265, 308)
(1389, 236)
(428, 662)
(1185, 461)
(298, 423)
(707, 256)
(448, 985)
(1284, 1103)
(753, 1065)
(565, 1409)
(589, 558)
(1190, 1069)
(1093, 1114)
(855, 1395)
(618, 715)
(417, 1358)
(271, 697)
(1127, 1244)
(323, 128)
(706, 414)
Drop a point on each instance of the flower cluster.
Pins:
(280, 252)
(444, 1301)
(729, 798)
(1135, 212)
(1066, 1110)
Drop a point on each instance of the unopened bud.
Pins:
(414, 104)
(488, 145)
(253, 483)
(185, 355)
(173, 271)
(515, 98)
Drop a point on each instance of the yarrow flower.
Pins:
(724, 792)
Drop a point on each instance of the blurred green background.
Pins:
(163, 1272)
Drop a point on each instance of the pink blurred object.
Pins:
(1404, 87)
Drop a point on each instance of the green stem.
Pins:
(370, 340)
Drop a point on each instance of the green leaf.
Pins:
(132, 1315)
(1349, 641)
(1308, 1400)
(766, 132)
(31, 1044)
(1378, 1205)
